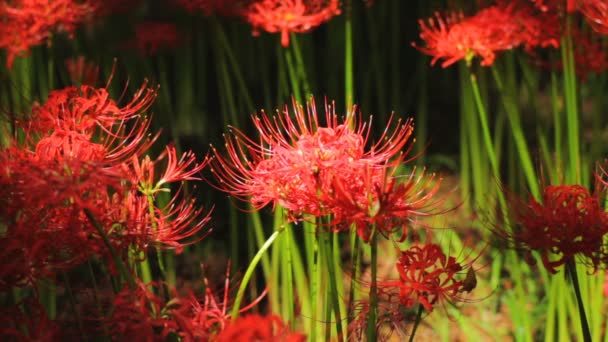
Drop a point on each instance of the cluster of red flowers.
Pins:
(26, 23)
(569, 223)
(287, 16)
(141, 315)
(493, 29)
(318, 171)
(510, 24)
(283, 16)
(79, 176)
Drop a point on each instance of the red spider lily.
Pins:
(109, 7)
(205, 319)
(150, 37)
(225, 8)
(287, 16)
(84, 161)
(426, 276)
(596, 12)
(259, 328)
(491, 30)
(290, 164)
(86, 108)
(374, 197)
(140, 315)
(176, 170)
(82, 71)
(569, 222)
(26, 23)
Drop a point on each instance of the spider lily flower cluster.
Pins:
(312, 170)
(569, 224)
(83, 155)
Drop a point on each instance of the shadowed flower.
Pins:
(427, 276)
(569, 222)
(259, 328)
(493, 29)
(556, 5)
(26, 23)
(296, 158)
(209, 7)
(139, 315)
(109, 7)
(596, 13)
(81, 153)
(150, 37)
(82, 71)
(287, 16)
(31, 325)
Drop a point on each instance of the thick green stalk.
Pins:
(372, 318)
(570, 97)
(571, 269)
(333, 295)
(348, 57)
(293, 73)
(249, 273)
(514, 118)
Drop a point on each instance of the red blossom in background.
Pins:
(569, 222)
(26, 23)
(139, 315)
(596, 13)
(234, 8)
(287, 16)
(426, 277)
(493, 29)
(32, 325)
(150, 37)
(82, 71)
(109, 7)
(259, 328)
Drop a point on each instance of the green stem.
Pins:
(417, 322)
(314, 282)
(487, 138)
(570, 97)
(514, 118)
(571, 269)
(348, 57)
(373, 290)
(117, 261)
(333, 287)
(249, 273)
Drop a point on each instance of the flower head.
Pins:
(26, 23)
(287, 16)
(427, 276)
(259, 328)
(493, 29)
(369, 196)
(297, 158)
(569, 222)
(596, 13)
